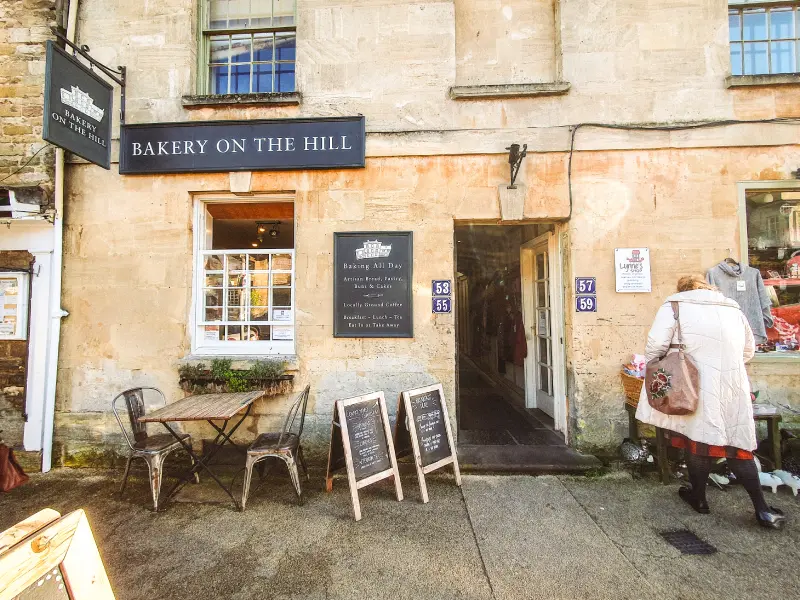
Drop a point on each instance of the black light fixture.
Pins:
(274, 231)
(261, 229)
(515, 157)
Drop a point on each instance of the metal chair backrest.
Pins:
(298, 407)
(134, 404)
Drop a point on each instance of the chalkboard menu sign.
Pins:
(423, 429)
(372, 288)
(361, 442)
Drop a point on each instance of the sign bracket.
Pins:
(83, 51)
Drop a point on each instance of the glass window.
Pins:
(245, 279)
(773, 247)
(764, 40)
(13, 306)
(249, 46)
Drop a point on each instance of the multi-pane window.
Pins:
(249, 45)
(13, 306)
(764, 40)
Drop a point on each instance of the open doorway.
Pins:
(508, 318)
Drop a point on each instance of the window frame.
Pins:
(742, 188)
(203, 79)
(23, 301)
(199, 345)
(740, 8)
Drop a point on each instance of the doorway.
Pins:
(508, 322)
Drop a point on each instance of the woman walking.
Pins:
(718, 340)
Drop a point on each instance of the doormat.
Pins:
(687, 542)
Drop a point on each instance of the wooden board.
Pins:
(203, 407)
(361, 442)
(423, 429)
(60, 560)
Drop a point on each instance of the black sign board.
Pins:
(77, 108)
(372, 286)
(361, 442)
(258, 145)
(423, 429)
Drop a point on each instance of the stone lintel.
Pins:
(211, 100)
(512, 201)
(511, 90)
(734, 81)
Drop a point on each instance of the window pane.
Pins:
(735, 26)
(282, 333)
(282, 279)
(240, 48)
(236, 314)
(259, 313)
(281, 297)
(781, 23)
(285, 46)
(284, 13)
(783, 56)
(284, 77)
(259, 297)
(215, 280)
(239, 13)
(213, 314)
(259, 262)
(543, 353)
(281, 262)
(262, 77)
(755, 24)
(219, 49)
(544, 379)
(213, 297)
(262, 47)
(214, 262)
(217, 14)
(235, 262)
(261, 280)
(218, 76)
(755, 58)
(736, 59)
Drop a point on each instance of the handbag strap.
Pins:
(677, 314)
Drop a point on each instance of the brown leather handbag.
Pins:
(11, 474)
(672, 381)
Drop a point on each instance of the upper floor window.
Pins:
(764, 40)
(249, 46)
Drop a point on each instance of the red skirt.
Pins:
(681, 441)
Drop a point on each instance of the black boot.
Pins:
(687, 496)
(773, 518)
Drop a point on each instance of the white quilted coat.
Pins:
(719, 341)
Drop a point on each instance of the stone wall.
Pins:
(24, 29)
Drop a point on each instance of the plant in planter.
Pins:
(267, 375)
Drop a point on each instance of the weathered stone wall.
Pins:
(24, 29)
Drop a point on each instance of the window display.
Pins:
(773, 245)
(13, 306)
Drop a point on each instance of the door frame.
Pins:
(557, 323)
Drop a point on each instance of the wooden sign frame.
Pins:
(404, 429)
(46, 543)
(340, 435)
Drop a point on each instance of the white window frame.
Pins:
(203, 347)
(21, 329)
(744, 6)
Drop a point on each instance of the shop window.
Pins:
(764, 40)
(773, 247)
(244, 273)
(249, 46)
(13, 306)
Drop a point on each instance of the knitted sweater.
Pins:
(745, 286)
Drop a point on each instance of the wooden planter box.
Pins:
(207, 384)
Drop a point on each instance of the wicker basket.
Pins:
(633, 387)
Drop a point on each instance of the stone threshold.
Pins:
(511, 90)
(538, 460)
(734, 81)
(269, 99)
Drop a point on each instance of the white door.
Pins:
(542, 329)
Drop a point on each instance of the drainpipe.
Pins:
(55, 311)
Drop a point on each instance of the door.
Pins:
(542, 329)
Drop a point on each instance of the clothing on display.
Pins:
(744, 285)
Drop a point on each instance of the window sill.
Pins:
(512, 90)
(240, 360)
(734, 81)
(271, 99)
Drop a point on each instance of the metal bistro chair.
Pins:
(284, 445)
(152, 448)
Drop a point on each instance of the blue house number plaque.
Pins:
(441, 287)
(585, 285)
(586, 304)
(442, 305)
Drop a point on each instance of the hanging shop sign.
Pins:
(361, 442)
(423, 429)
(77, 108)
(632, 266)
(372, 294)
(259, 145)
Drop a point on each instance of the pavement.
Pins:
(497, 537)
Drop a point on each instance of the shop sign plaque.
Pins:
(372, 287)
(257, 145)
(632, 266)
(77, 108)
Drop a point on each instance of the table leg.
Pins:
(661, 456)
(633, 429)
(774, 436)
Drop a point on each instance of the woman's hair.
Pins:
(694, 282)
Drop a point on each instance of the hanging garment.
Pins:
(746, 286)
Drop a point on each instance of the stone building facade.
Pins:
(637, 136)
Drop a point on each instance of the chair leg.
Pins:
(302, 460)
(291, 464)
(155, 464)
(248, 474)
(127, 472)
(196, 473)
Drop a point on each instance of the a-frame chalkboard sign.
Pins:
(423, 429)
(361, 442)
